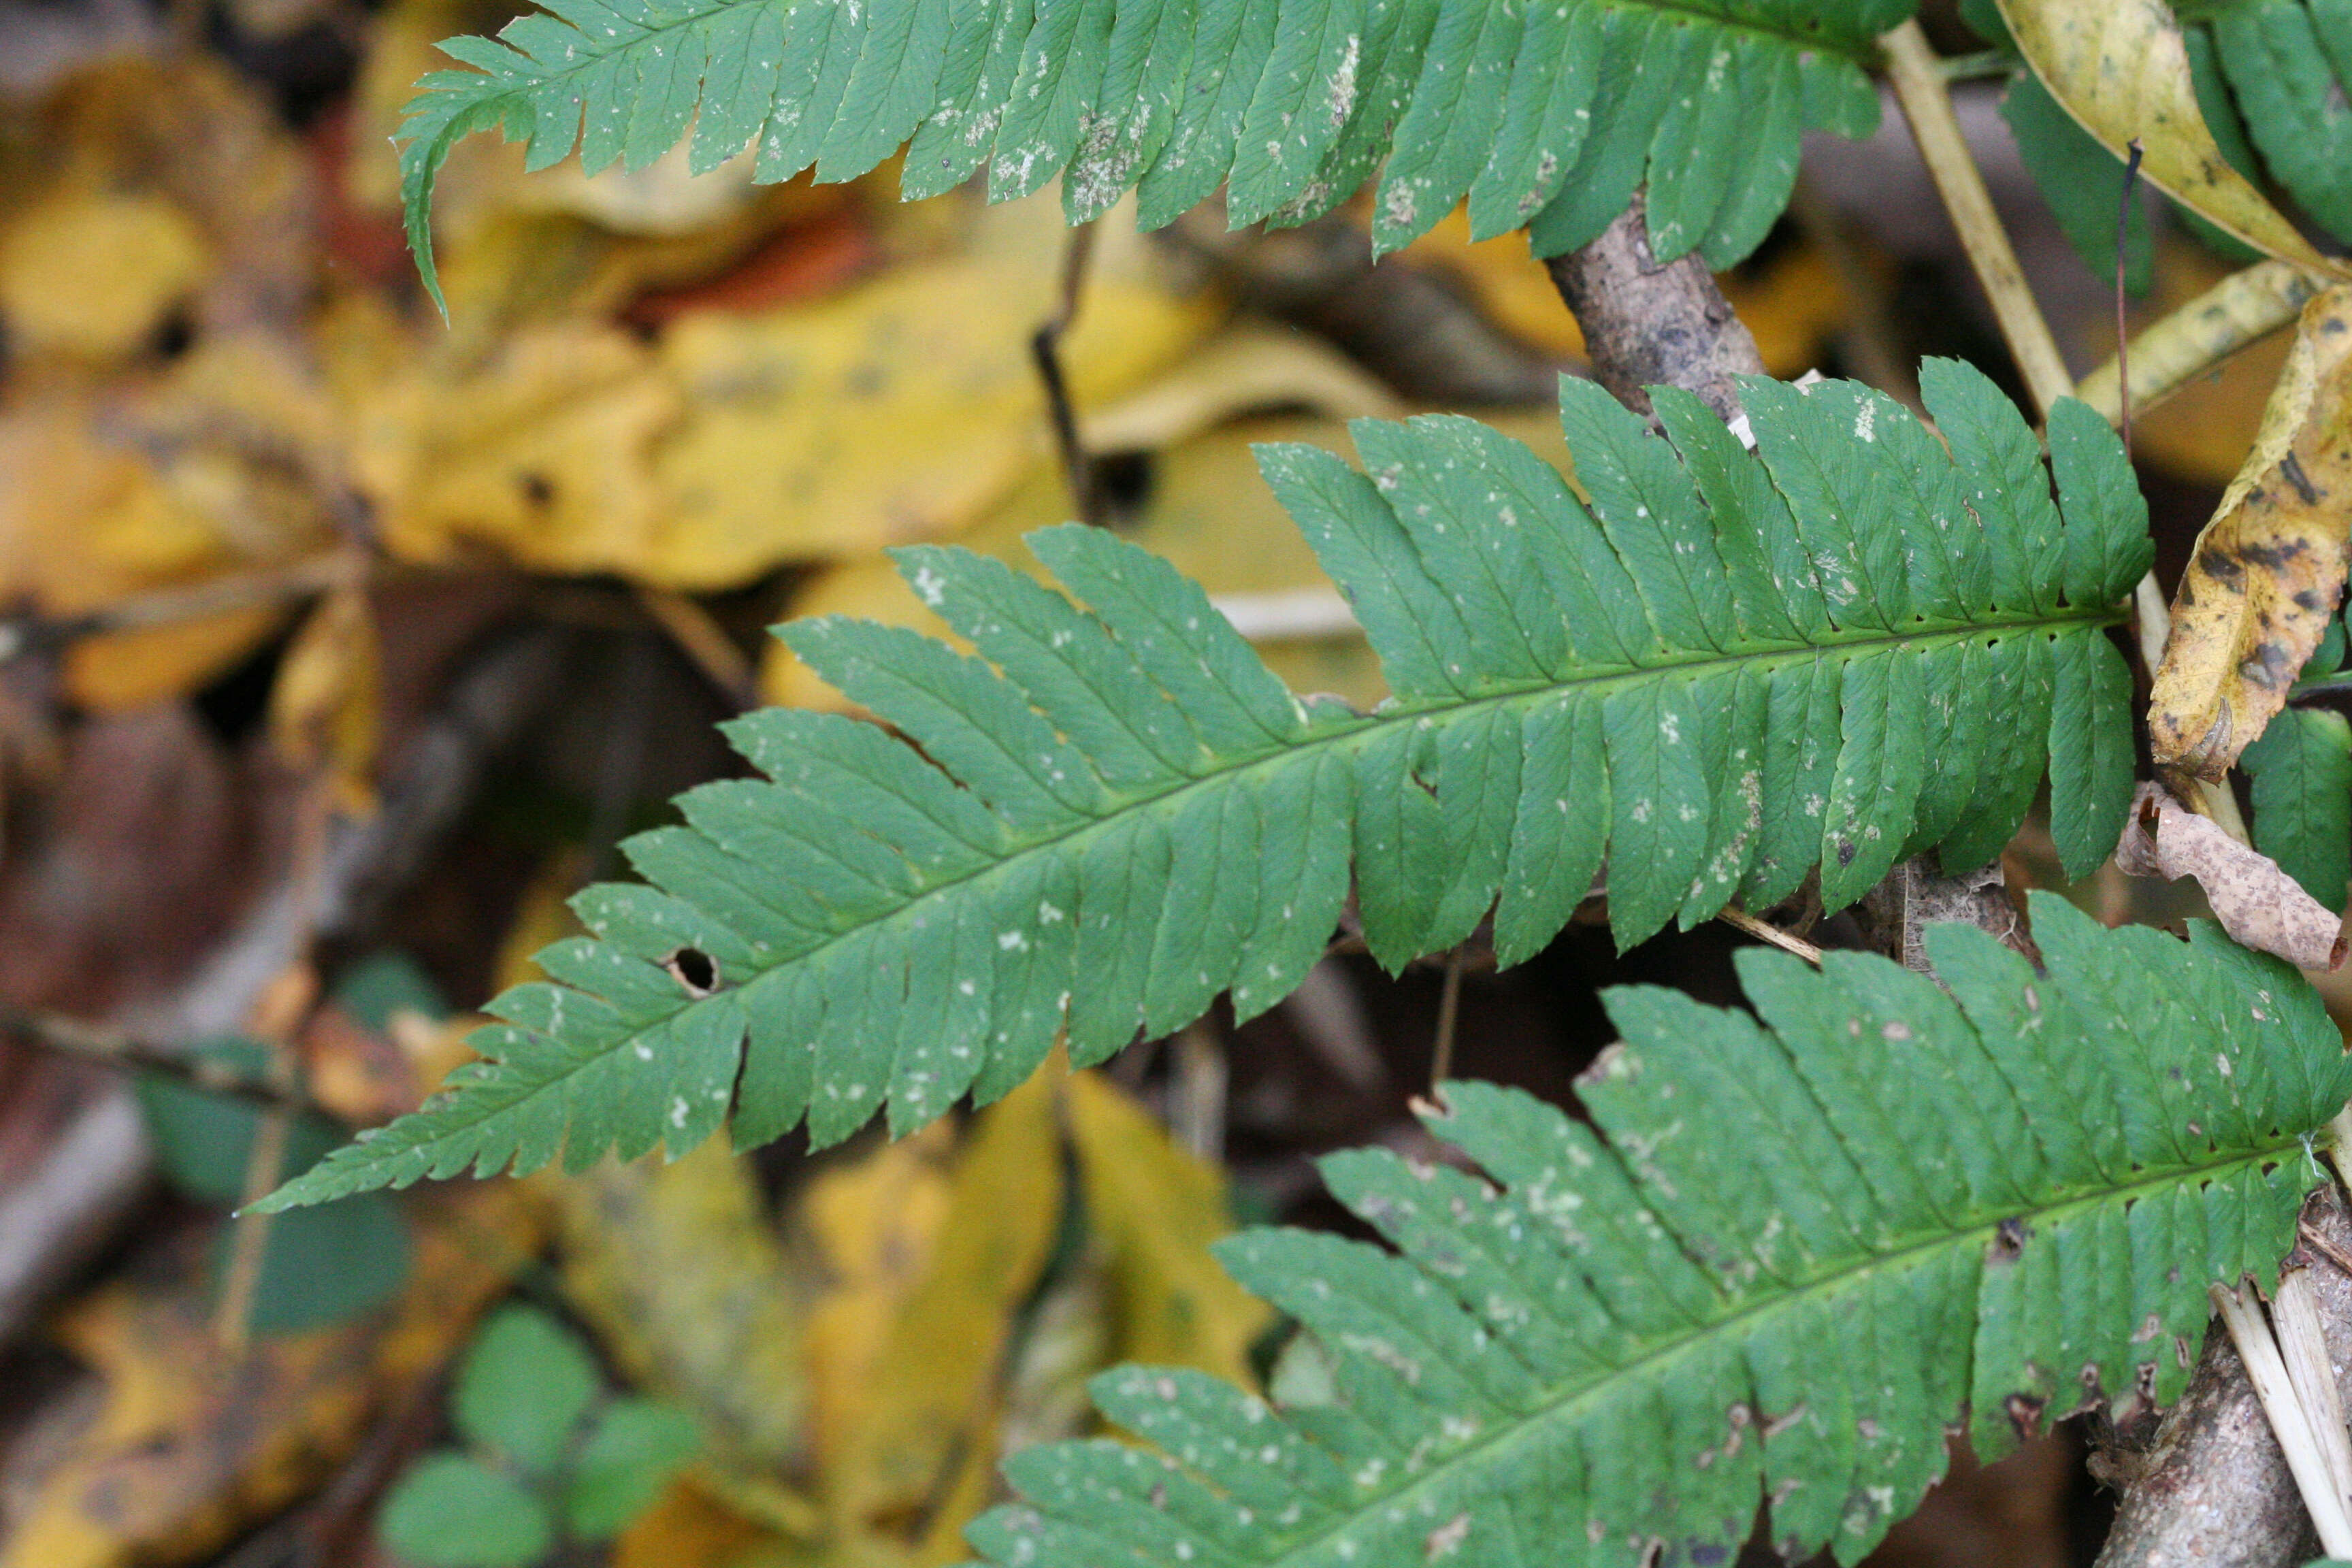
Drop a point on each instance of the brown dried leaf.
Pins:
(2268, 570)
(2258, 904)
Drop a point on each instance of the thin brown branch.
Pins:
(93, 1042)
(166, 606)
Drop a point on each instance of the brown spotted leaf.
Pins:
(2255, 901)
(2268, 570)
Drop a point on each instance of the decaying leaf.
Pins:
(2121, 68)
(2257, 903)
(1154, 1210)
(93, 273)
(324, 707)
(2267, 571)
(110, 494)
(899, 410)
(187, 1445)
(929, 1408)
(688, 1288)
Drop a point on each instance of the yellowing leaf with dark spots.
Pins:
(2268, 570)
(2121, 68)
(900, 410)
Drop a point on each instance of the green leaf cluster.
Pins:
(1784, 1255)
(1719, 670)
(549, 1456)
(1545, 115)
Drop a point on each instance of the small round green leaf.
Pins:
(527, 1382)
(637, 1446)
(453, 1511)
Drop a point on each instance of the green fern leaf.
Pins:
(1725, 671)
(1780, 1261)
(2288, 61)
(1547, 114)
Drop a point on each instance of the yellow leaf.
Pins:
(2121, 68)
(2268, 570)
(872, 1225)
(929, 1402)
(1155, 1209)
(108, 494)
(687, 1528)
(688, 1288)
(538, 457)
(94, 272)
(901, 409)
(324, 706)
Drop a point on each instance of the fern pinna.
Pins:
(1721, 668)
(1545, 114)
(1780, 1261)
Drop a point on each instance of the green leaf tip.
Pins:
(1786, 1253)
(1716, 673)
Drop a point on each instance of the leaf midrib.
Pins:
(1362, 728)
(1664, 1352)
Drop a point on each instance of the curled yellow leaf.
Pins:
(2268, 570)
(2121, 68)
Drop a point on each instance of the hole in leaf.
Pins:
(692, 968)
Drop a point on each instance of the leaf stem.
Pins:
(1920, 87)
(1765, 930)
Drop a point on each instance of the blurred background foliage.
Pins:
(338, 643)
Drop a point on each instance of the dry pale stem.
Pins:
(1919, 86)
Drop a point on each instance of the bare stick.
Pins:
(93, 1042)
(168, 606)
(1449, 1008)
(1917, 77)
(1734, 915)
(1045, 348)
(705, 644)
(2207, 1485)
(2123, 326)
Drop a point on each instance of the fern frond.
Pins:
(1726, 670)
(1546, 115)
(1779, 1262)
